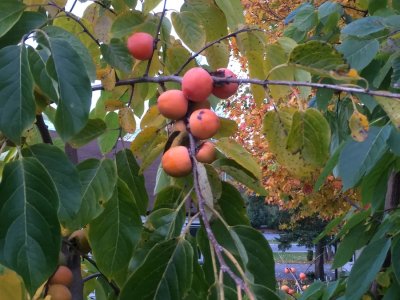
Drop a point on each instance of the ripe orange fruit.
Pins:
(179, 126)
(204, 123)
(206, 153)
(197, 84)
(172, 104)
(80, 237)
(291, 291)
(302, 276)
(293, 270)
(287, 270)
(62, 275)
(225, 90)
(285, 288)
(59, 292)
(176, 161)
(140, 45)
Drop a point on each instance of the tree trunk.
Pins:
(319, 261)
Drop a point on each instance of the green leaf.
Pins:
(359, 53)
(240, 174)
(17, 104)
(232, 207)
(65, 66)
(366, 27)
(92, 130)
(29, 230)
(169, 197)
(392, 108)
(233, 150)
(227, 128)
(166, 273)
(233, 11)
(366, 267)
(328, 228)
(117, 55)
(109, 138)
(125, 23)
(317, 57)
(65, 177)
(149, 5)
(128, 171)
(315, 291)
(85, 56)
(306, 19)
(357, 159)
(98, 179)
(115, 233)
(10, 12)
(395, 251)
(189, 28)
(257, 256)
(204, 187)
(177, 55)
(29, 20)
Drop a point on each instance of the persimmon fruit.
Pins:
(291, 291)
(59, 292)
(206, 153)
(176, 161)
(287, 270)
(285, 288)
(197, 84)
(172, 104)
(81, 239)
(63, 275)
(302, 276)
(204, 124)
(293, 270)
(225, 90)
(140, 45)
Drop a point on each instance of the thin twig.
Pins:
(91, 276)
(73, 6)
(233, 34)
(217, 247)
(264, 83)
(156, 39)
(105, 7)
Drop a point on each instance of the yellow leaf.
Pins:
(359, 126)
(392, 108)
(152, 118)
(11, 286)
(111, 105)
(127, 119)
(108, 79)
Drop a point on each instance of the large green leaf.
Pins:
(240, 174)
(28, 21)
(124, 24)
(366, 268)
(232, 207)
(233, 11)
(169, 197)
(128, 171)
(29, 230)
(10, 12)
(65, 66)
(190, 29)
(306, 18)
(17, 104)
(257, 255)
(98, 179)
(92, 130)
(117, 55)
(359, 53)
(357, 159)
(233, 150)
(65, 177)
(115, 233)
(166, 273)
(366, 27)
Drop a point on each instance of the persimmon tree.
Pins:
(49, 61)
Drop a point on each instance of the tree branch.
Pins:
(233, 34)
(44, 131)
(156, 39)
(264, 83)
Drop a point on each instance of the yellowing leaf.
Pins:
(11, 286)
(359, 126)
(108, 79)
(152, 118)
(127, 119)
(391, 107)
(111, 105)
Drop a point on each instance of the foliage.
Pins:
(322, 151)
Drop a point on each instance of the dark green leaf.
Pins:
(306, 18)
(395, 251)
(65, 177)
(128, 171)
(232, 207)
(315, 291)
(366, 267)
(29, 230)
(10, 12)
(166, 273)
(359, 53)
(170, 197)
(65, 66)
(17, 104)
(117, 55)
(124, 24)
(92, 130)
(357, 159)
(328, 228)
(109, 138)
(115, 233)
(365, 27)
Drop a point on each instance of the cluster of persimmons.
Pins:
(188, 109)
(302, 277)
(59, 283)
